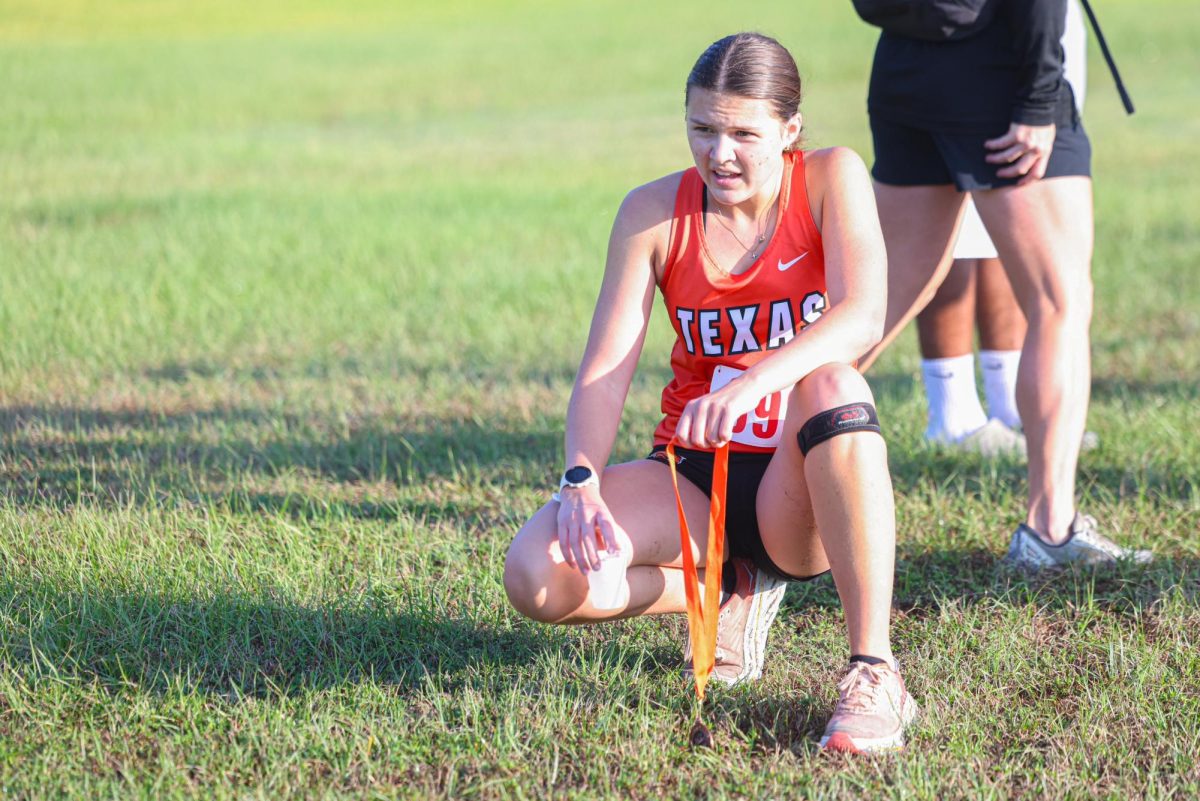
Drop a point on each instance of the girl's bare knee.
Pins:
(829, 386)
(535, 586)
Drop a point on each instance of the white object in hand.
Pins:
(607, 588)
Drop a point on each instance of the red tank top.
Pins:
(726, 323)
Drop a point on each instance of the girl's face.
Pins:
(737, 144)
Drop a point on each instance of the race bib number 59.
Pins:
(761, 427)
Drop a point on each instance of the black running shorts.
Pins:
(746, 470)
(906, 156)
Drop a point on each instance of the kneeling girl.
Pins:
(772, 268)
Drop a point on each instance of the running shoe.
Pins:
(993, 439)
(1084, 544)
(872, 712)
(742, 625)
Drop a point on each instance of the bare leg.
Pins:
(918, 226)
(997, 313)
(946, 326)
(639, 495)
(834, 509)
(1043, 232)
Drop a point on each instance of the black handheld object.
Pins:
(700, 736)
(1112, 65)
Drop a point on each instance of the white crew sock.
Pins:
(1000, 384)
(954, 409)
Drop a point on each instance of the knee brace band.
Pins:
(842, 420)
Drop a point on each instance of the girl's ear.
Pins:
(791, 131)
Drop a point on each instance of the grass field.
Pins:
(291, 298)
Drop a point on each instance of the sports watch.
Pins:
(579, 477)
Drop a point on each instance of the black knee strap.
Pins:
(842, 420)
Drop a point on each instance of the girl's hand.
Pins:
(581, 514)
(1025, 149)
(708, 421)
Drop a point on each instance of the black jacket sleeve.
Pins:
(1037, 28)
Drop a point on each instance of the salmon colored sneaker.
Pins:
(743, 623)
(872, 713)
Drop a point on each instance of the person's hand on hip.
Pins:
(1025, 149)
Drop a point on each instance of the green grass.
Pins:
(291, 297)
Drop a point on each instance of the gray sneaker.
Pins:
(742, 625)
(1085, 544)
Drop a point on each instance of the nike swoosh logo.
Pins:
(786, 265)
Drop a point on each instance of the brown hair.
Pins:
(750, 65)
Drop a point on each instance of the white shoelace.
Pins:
(1086, 532)
(859, 688)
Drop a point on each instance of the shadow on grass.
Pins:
(786, 723)
(895, 388)
(61, 456)
(231, 647)
(1119, 389)
(470, 364)
(985, 478)
(237, 645)
(929, 580)
(968, 473)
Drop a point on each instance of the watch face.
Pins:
(577, 475)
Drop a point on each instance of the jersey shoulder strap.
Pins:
(689, 198)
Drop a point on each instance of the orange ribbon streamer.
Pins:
(702, 617)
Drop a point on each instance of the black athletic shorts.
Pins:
(906, 156)
(746, 470)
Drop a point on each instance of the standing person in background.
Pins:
(989, 113)
(977, 293)
(771, 266)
